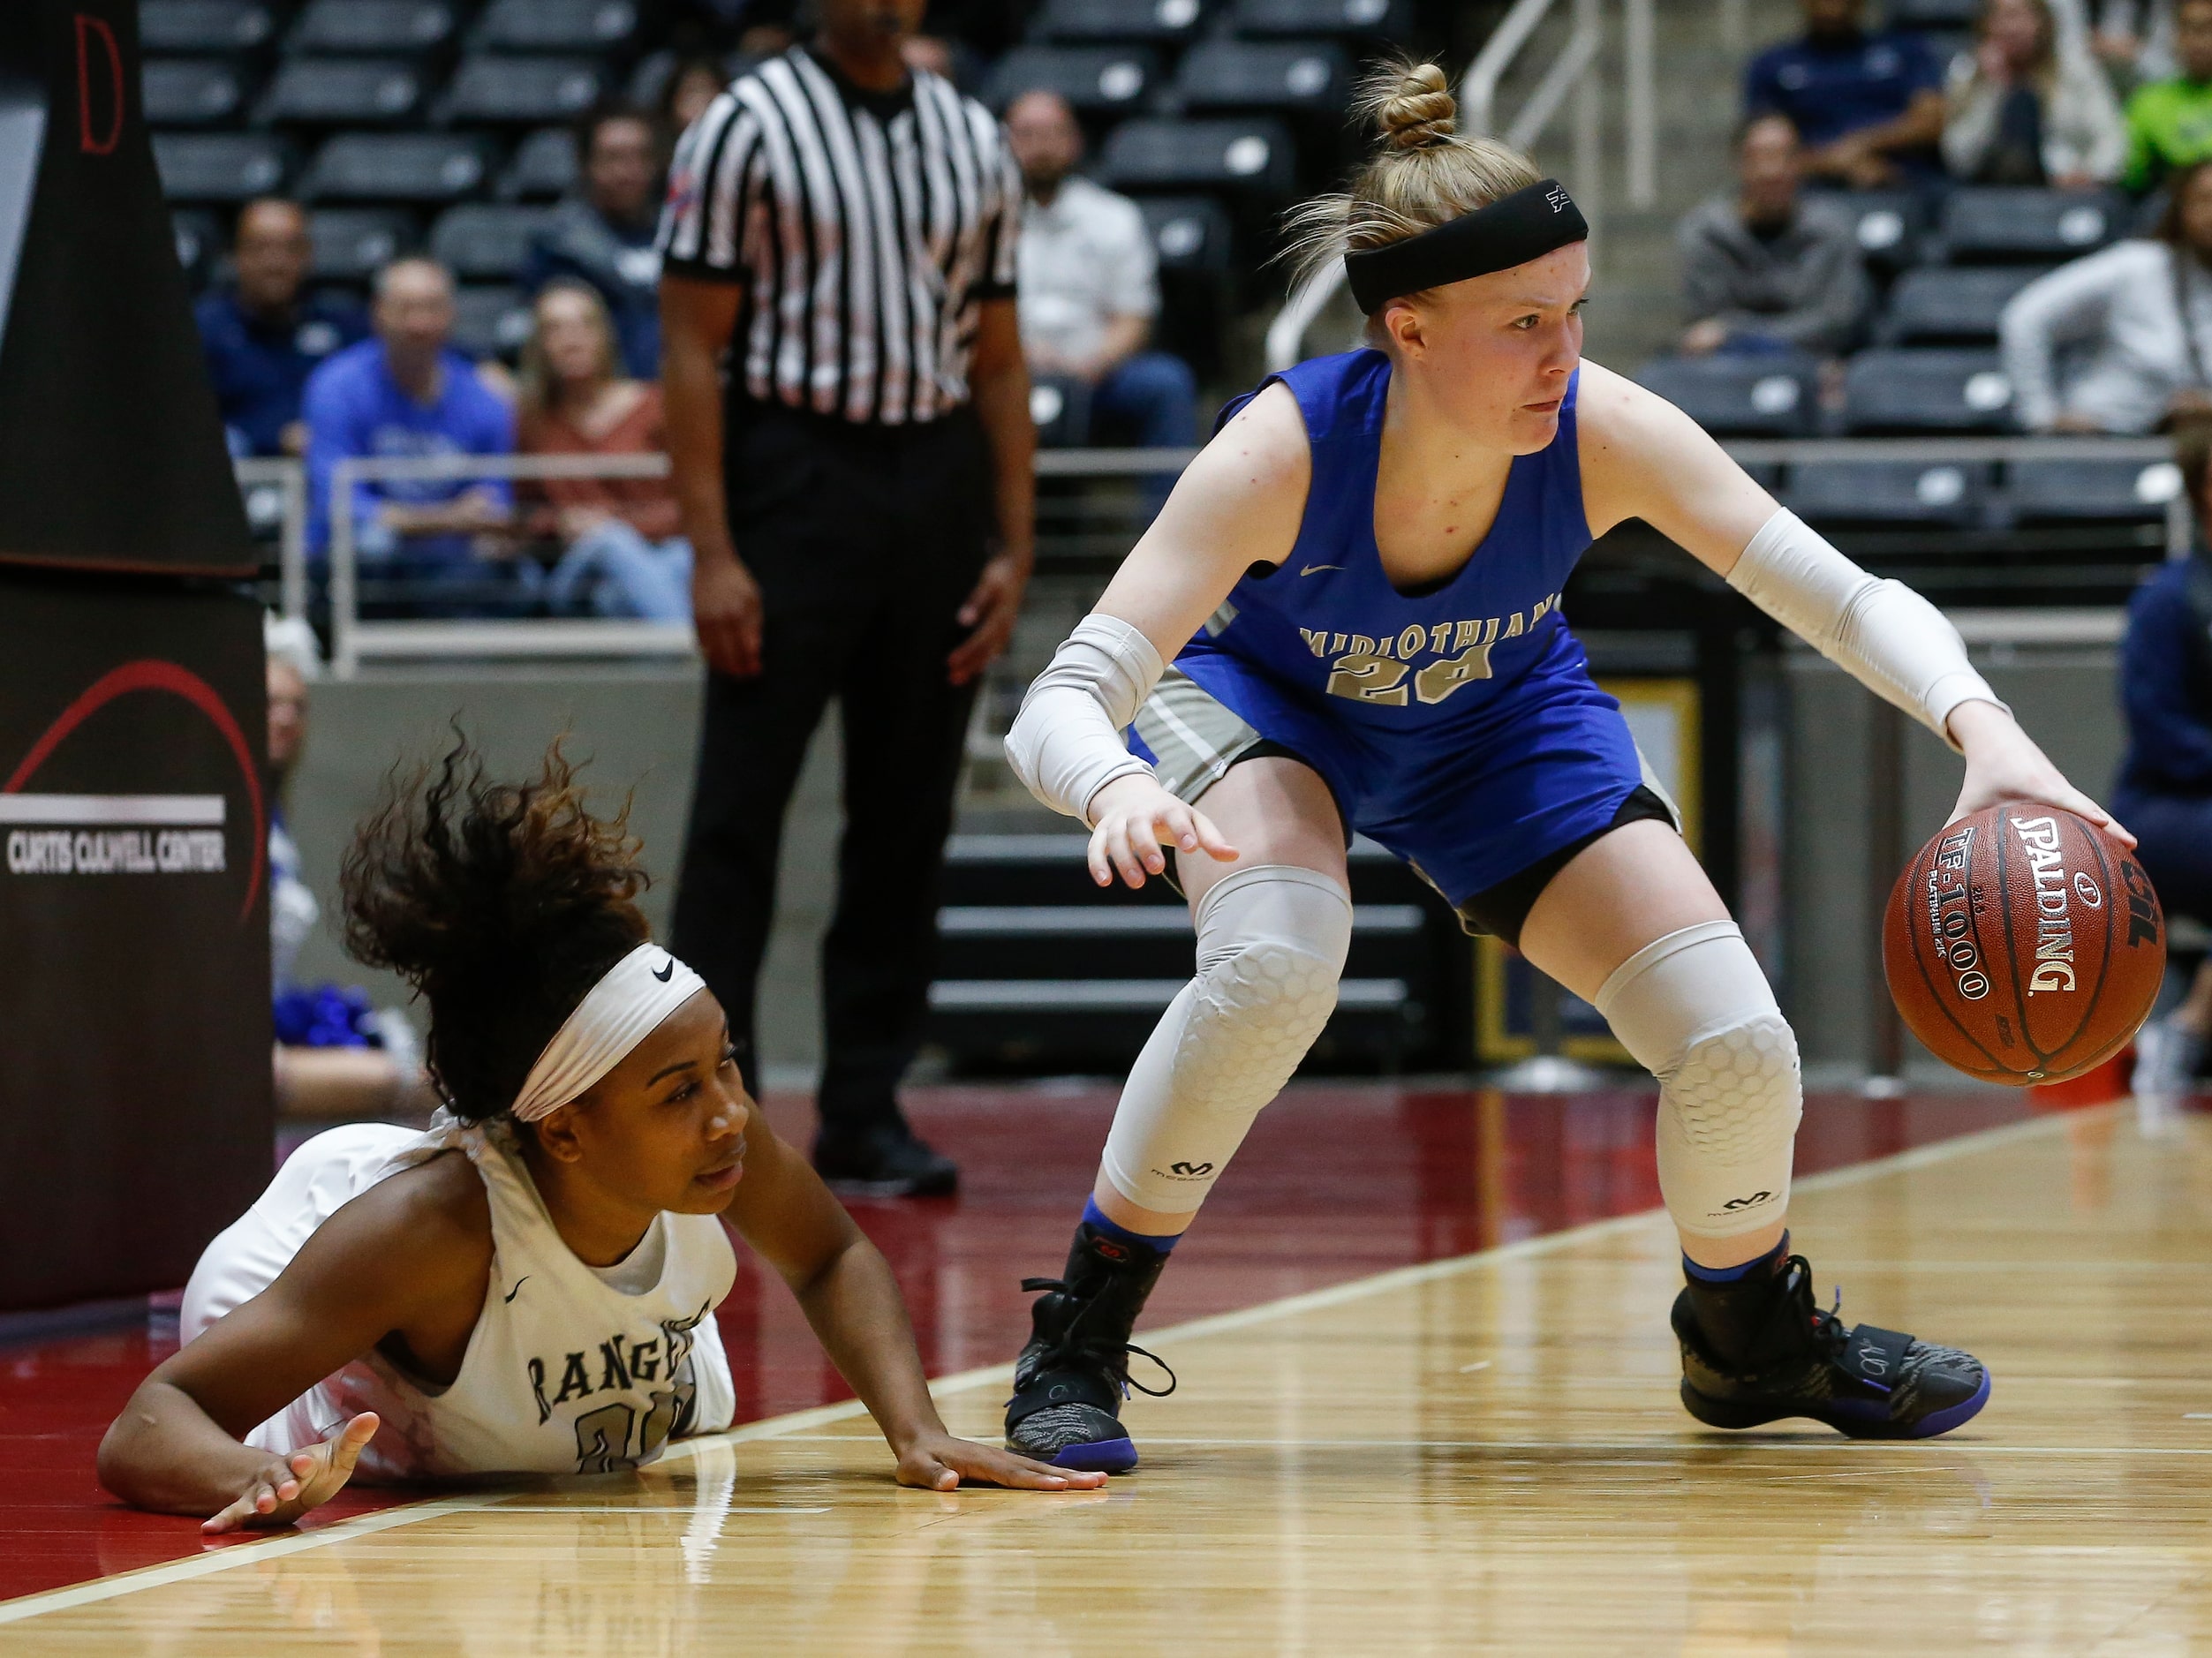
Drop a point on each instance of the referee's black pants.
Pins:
(865, 541)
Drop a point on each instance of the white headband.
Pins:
(616, 1014)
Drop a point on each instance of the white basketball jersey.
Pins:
(570, 1369)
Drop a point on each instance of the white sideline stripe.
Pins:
(796, 1424)
(91, 809)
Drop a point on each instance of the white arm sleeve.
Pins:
(1882, 633)
(1066, 744)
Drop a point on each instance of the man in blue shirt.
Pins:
(1869, 107)
(607, 234)
(406, 392)
(262, 339)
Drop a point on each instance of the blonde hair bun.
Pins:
(1417, 109)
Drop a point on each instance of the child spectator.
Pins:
(623, 555)
(262, 338)
(2169, 122)
(2027, 109)
(1767, 269)
(1868, 105)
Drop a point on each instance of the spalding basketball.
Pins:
(2024, 945)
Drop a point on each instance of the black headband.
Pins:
(1510, 231)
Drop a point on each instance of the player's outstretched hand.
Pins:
(2004, 763)
(939, 1462)
(288, 1487)
(1135, 817)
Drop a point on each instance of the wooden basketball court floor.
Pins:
(1478, 1453)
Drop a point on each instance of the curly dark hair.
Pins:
(501, 904)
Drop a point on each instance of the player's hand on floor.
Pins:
(1135, 817)
(288, 1487)
(939, 1462)
(2004, 763)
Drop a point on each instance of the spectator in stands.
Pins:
(406, 392)
(604, 234)
(1767, 269)
(2026, 109)
(2119, 316)
(2164, 791)
(2134, 38)
(1089, 288)
(623, 555)
(694, 83)
(2169, 122)
(263, 338)
(1869, 106)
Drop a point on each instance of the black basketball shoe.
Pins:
(887, 1160)
(1071, 1378)
(1759, 1351)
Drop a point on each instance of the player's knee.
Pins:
(1736, 1097)
(1271, 946)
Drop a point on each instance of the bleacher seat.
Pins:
(388, 28)
(1188, 232)
(1341, 19)
(220, 167)
(1932, 14)
(556, 26)
(1889, 492)
(334, 91)
(2077, 492)
(521, 91)
(1253, 157)
(1059, 407)
(1094, 79)
(1920, 388)
(199, 241)
(429, 168)
(491, 321)
(204, 26)
(1951, 304)
(544, 168)
(1890, 224)
(352, 244)
(190, 91)
(1159, 22)
(1301, 77)
(1987, 225)
(482, 242)
(1741, 395)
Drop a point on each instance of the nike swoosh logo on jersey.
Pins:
(1310, 569)
(517, 1289)
(664, 974)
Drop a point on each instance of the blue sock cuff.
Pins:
(1095, 1217)
(1734, 1275)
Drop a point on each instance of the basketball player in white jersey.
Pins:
(1348, 618)
(529, 1286)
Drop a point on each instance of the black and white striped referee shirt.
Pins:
(867, 229)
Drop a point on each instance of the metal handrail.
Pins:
(290, 478)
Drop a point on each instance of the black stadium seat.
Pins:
(1253, 157)
(1951, 304)
(190, 91)
(1342, 20)
(482, 242)
(199, 241)
(1909, 388)
(1932, 14)
(333, 92)
(1060, 408)
(1094, 79)
(491, 321)
(1188, 232)
(1737, 395)
(1988, 224)
(221, 167)
(421, 167)
(1889, 492)
(544, 167)
(1890, 224)
(556, 26)
(2076, 492)
(1160, 22)
(385, 28)
(352, 244)
(1301, 77)
(209, 26)
(522, 91)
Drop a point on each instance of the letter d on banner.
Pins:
(90, 29)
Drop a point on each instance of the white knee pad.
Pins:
(1271, 943)
(1696, 1010)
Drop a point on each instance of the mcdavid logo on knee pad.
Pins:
(1185, 1170)
(1735, 1203)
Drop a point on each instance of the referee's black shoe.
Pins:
(1071, 1378)
(1761, 1350)
(885, 1160)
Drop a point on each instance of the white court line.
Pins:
(796, 1424)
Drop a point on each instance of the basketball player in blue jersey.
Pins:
(1357, 583)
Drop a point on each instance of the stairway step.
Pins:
(1120, 995)
(1030, 921)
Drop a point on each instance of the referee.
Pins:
(848, 414)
